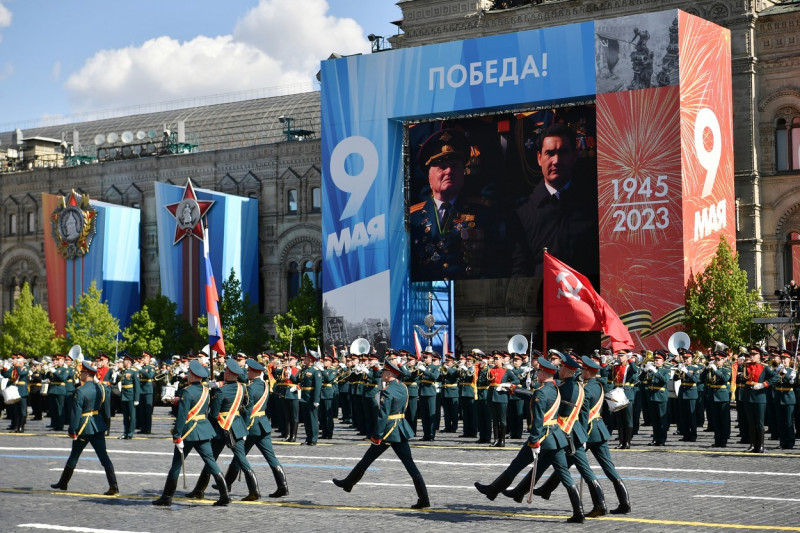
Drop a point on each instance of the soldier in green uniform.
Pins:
(228, 412)
(35, 385)
(656, 378)
(69, 386)
(291, 396)
(390, 429)
(760, 378)
(546, 442)
(410, 379)
(515, 403)
(428, 376)
(689, 374)
(193, 430)
(450, 394)
(327, 412)
(310, 395)
(785, 401)
(129, 399)
(499, 375)
(468, 393)
(18, 376)
(718, 383)
(569, 414)
(57, 393)
(483, 415)
(259, 431)
(144, 414)
(87, 426)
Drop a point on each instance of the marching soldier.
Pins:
(18, 377)
(144, 414)
(718, 382)
(410, 379)
(483, 416)
(69, 386)
(87, 426)
(657, 379)
(193, 430)
(498, 398)
(573, 399)
(259, 431)
(103, 377)
(390, 429)
(468, 391)
(785, 400)
(310, 395)
(369, 391)
(546, 442)
(228, 405)
(129, 399)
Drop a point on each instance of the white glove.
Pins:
(135, 404)
(502, 387)
(650, 367)
(780, 367)
(179, 446)
(713, 367)
(421, 367)
(791, 376)
(683, 368)
(316, 404)
(536, 451)
(528, 382)
(758, 386)
(293, 388)
(212, 384)
(342, 365)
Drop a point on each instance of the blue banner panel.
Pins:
(233, 235)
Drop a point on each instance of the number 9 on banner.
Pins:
(357, 185)
(709, 159)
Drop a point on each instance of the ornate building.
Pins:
(242, 148)
(263, 148)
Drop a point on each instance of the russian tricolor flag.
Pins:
(215, 341)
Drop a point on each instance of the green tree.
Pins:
(27, 328)
(242, 324)
(91, 325)
(179, 336)
(718, 304)
(143, 334)
(302, 322)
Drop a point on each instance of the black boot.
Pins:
(751, 441)
(598, 500)
(546, 489)
(66, 475)
(224, 498)
(113, 489)
(199, 490)
(252, 487)
(577, 507)
(422, 493)
(522, 488)
(495, 433)
(496, 487)
(108, 426)
(759, 447)
(350, 481)
(230, 477)
(622, 496)
(501, 436)
(165, 500)
(293, 431)
(280, 480)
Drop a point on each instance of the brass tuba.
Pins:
(518, 344)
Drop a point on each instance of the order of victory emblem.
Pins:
(74, 225)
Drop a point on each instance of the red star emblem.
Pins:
(188, 214)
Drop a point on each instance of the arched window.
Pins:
(31, 222)
(316, 200)
(292, 201)
(293, 280)
(787, 144)
(12, 224)
(791, 258)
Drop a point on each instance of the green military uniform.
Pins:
(483, 413)
(390, 429)
(88, 426)
(450, 396)
(327, 411)
(55, 397)
(498, 401)
(411, 380)
(785, 400)
(468, 393)
(687, 400)
(129, 398)
(656, 380)
(310, 395)
(144, 413)
(759, 379)
(718, 383)
(545, 441)
(18, 376)
(193, 430)
(515, 406)
(427, 401)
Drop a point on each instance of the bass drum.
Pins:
(616, 399)
(11, 395)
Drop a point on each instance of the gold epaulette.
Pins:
(416, 207)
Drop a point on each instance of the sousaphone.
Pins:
(518, 344)
(678, 340)
(359, 347)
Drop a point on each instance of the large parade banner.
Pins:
(648, 98)
(232, 223)
(89, 241)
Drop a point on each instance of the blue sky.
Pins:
(67, 58)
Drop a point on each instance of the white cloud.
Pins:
(268, 48)
(5, 18)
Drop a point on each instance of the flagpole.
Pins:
(544, 315)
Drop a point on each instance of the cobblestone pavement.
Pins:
(683, 487)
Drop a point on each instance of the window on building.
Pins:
(292, 197)
(787, 144)
(31, 222)
(293, 280)
(12, 224)
(316, 200)
(791, 257)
